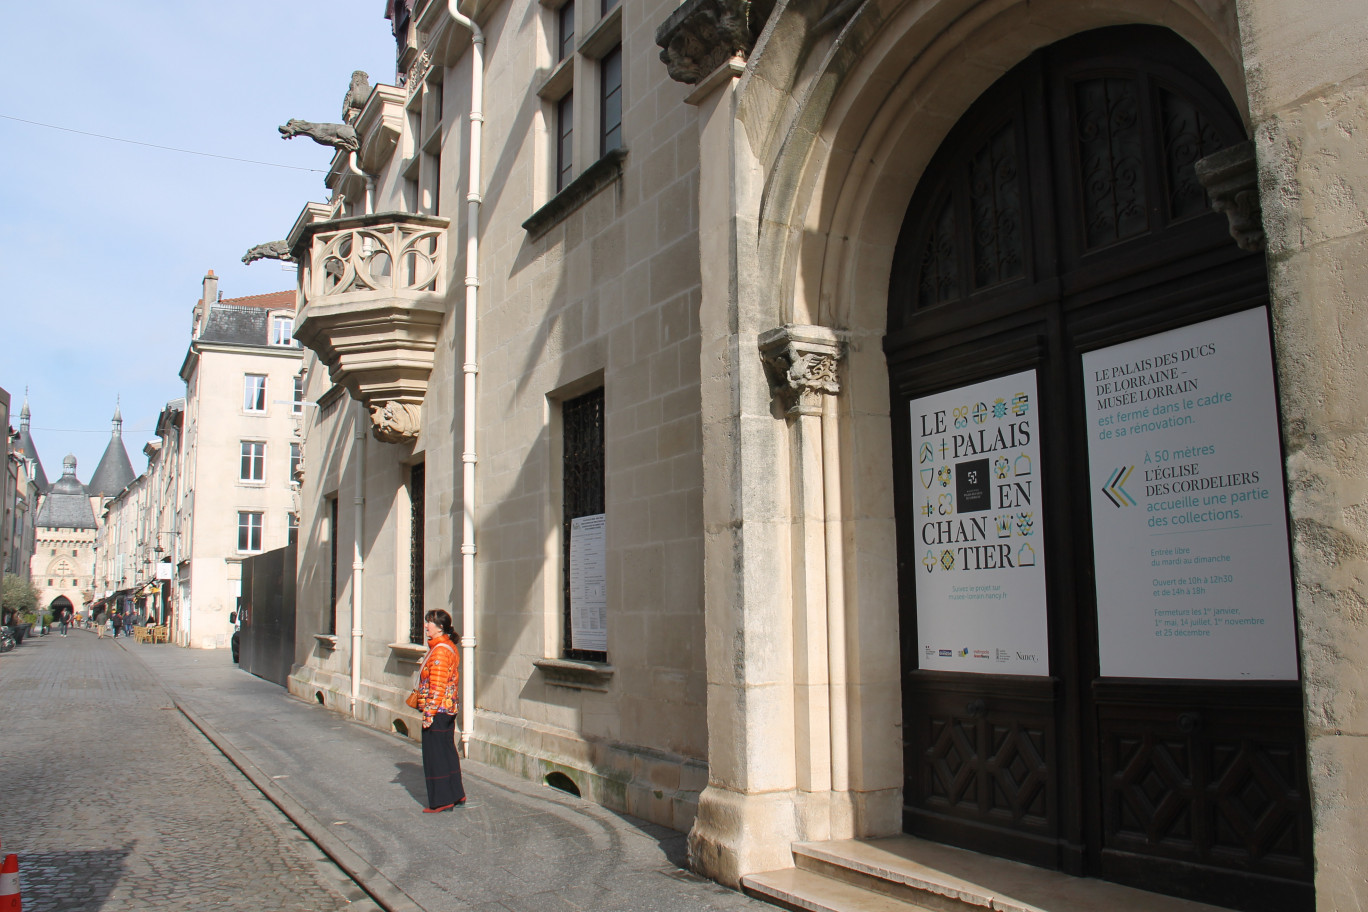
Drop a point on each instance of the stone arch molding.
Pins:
(844, 103)
(841, 106)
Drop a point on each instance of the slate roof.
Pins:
(66, 505)
(31, 452)
(115, 471)
(235, 325)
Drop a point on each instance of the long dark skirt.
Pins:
(441, 763)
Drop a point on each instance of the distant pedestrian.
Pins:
(101, 625)
(116, 622)
(437, 680)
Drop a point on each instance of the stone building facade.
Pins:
(683, 453)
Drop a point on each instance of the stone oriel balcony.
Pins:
(373, 294)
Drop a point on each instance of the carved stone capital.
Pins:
(396, 422)
(701, 35)
(1231, 179)
(801, 362)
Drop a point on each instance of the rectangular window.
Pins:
(297, 406)
(292, 525)
(282, 331)
(253, 466)
(249, 532)
(417, 565)
(296, 457)
(332, 576)
(565, 128)
(610, 101)
(254, 393)
(565, 30)
(582, 474)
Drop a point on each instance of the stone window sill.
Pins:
(594, 178)
(577, 675)
(408, 652)
(326, 640)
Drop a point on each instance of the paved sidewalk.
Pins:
(515, 846)
(114, 802)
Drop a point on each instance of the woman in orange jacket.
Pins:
(437, 681)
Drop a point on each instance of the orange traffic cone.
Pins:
(9, 885)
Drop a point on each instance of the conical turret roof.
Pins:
(30, 451)
(115, 471)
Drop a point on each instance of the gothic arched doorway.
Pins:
(1098, 642)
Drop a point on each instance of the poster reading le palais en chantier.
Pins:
(980, 565)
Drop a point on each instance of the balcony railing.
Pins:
(374, 293)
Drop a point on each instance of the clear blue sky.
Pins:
(105, 243)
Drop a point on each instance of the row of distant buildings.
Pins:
(168, 543)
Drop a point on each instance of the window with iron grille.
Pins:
(582, 488)
(417, 489)
(332, 578)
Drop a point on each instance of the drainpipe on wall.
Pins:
(358, 565)
(469, 370)
(353, 165)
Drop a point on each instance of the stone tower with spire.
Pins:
(63, 563)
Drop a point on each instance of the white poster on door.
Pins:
(588, 583)
(1189, 516)
(979, 527)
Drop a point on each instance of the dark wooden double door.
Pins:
(1063, 215)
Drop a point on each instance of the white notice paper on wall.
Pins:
(979, 529)
(588, 584)
(1189, 514)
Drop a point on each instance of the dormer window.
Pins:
(282, 331)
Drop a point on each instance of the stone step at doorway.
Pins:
(906, 874)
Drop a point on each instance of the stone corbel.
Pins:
(396, 422)
(801, 362)
(1231, 179)
(702, 35)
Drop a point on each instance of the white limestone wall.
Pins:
(1308, 99)
(608, 296)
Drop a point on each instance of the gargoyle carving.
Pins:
(396, 422)
(275, 250)
(339, 136)
(356, 96)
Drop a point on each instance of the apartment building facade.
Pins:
(236, 451)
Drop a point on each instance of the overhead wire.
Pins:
(135, 142)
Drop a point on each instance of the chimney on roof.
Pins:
(211, 292)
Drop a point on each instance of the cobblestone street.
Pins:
(113, 801)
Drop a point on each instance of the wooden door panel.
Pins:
(984, 755)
